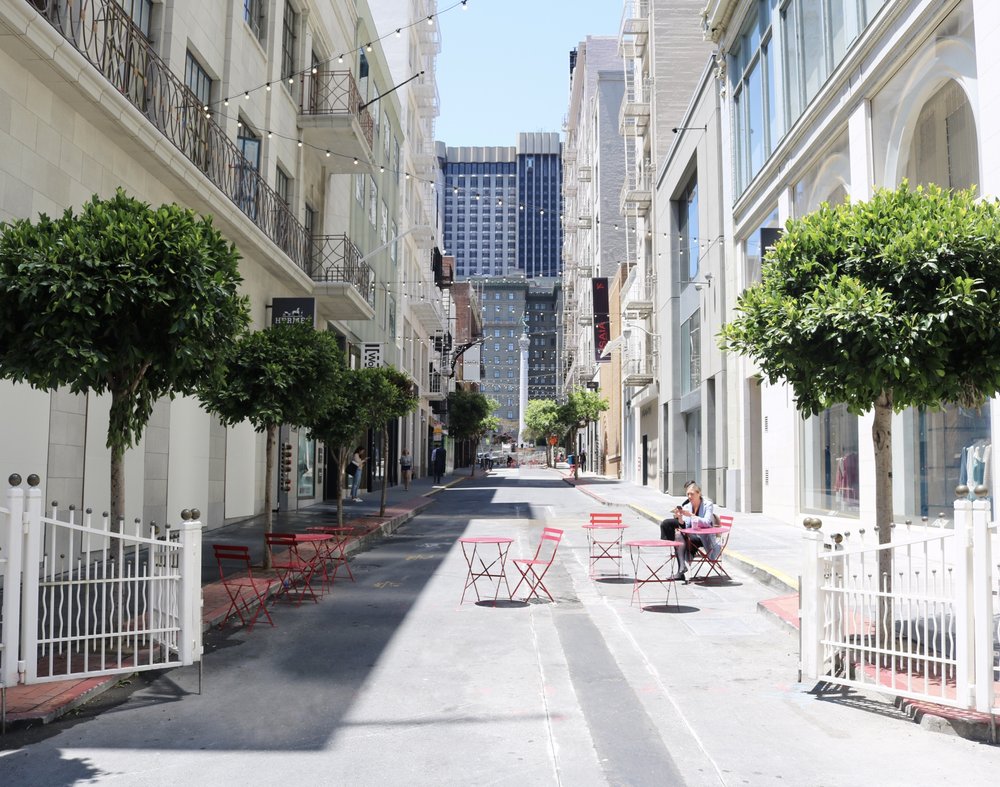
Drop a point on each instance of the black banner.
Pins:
(602, 322)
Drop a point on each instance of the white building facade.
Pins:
(261, 114)
(820, 102)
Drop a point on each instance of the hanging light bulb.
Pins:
(399, 32)
(246, 95)
(269, 135)
(368, 47)
(340, 58)
(430, 19)
(268, 86)
(225, 102)
(328, 154)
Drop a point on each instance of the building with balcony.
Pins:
(417, 284)
(593, 235)
(278, 122)
(665, 56)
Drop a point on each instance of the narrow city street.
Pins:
(390, 680)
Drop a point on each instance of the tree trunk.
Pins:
(882, 440)
(341, 464)
(117, 489)
(470, 450)
(385, 469)
(272, 431)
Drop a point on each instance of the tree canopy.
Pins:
(541, 419)
(122, 298)
(384, 394)
(897, 295)
(284, 374)
(880, 305)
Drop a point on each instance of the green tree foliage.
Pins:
(340, 424)
(284, 374)
(541, 419)
(120, 299)
(470, 416)
(384, 394)
(881, 305)
(582, 406)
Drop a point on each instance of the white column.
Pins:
(522, 400)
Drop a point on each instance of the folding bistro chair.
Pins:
(703, 560)
(533, 569)
(247, 594)
(605, 518)
(290, 566)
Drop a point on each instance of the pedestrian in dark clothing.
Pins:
(438, 456)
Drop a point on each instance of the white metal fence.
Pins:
(929, 629)
(82, 600)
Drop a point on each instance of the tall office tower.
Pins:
(502, 225)
(539, 195)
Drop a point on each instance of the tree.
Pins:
(582, 408)
(340, 424)
(384, 394)
(283, 374)
(470, 416)
(121, 299)
(541, 419)
(880, 305)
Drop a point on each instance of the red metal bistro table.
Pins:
(486, 557)
(653, 563)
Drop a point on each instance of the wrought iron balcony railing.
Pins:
(106, 36)
(334, 258)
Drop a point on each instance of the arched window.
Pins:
(944, 149)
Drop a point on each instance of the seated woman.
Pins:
(697, 513)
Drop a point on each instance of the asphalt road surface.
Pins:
(389, 681)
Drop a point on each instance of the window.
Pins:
(281, 185)
(394, 249)
(691, 353)
(372, 201)
(309, 225)
(754, 102)
(248, 180)
(253, 15)
(289, 37)
(687, 228)
(140, 12)
(384, 226)
(359, 189)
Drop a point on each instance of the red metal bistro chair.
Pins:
(701, 560)
(247, 594)
(291, 567)
(533, 569)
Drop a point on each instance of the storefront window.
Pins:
(830, 462)
(307, 468)
(942, 449)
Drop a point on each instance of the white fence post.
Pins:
(190, 600)
(965, 625)
(982, 601)
(30, 560)
(11, 544)
(810, 600)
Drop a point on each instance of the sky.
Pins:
(504, 65)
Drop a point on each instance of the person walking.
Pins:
(581, 460)
(357, 463)
(406, 467)
(438, 457)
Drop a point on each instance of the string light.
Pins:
(368, 47)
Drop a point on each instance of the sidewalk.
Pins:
(45, 702)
